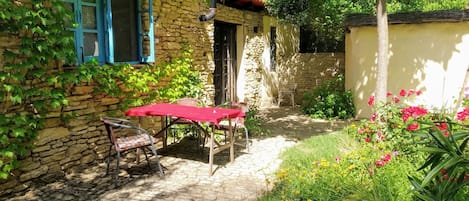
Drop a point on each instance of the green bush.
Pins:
(329, 101)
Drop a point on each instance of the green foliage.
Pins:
(253, 123)
(33, 83)
(447, 165)
(327, 16)
(329, 101)
(138, 85)
(28, 88)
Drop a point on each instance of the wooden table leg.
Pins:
(232, 140)
(210, 159)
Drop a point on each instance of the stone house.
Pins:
(242, 54)
(428, 52)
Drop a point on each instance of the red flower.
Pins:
(402, 92)
(396, 99)
(444, 177)
(413, 112)
(463, 114)
(367, 139)
(418, 92)
(388, 94)
(379, 163)
(442, 126)
(413, 127)
(446, 134)
(443, 171)
(371, 100)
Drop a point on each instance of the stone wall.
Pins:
(308, 71)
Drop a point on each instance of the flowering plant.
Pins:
(418, 133)
(446, 167)
(392, 122)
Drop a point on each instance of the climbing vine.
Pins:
(33, 81)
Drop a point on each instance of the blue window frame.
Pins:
(113, 31)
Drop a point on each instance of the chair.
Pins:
(287, 91)
(140, 140)
(238, 123)
(188, 102)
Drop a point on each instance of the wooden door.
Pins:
(225, 74)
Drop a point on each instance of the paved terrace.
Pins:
(187, 177)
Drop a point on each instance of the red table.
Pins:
(197, 115)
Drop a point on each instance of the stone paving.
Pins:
(186, 168)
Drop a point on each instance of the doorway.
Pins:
(225, 74)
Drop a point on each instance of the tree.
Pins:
(383, 49)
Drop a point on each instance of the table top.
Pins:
(201, 114)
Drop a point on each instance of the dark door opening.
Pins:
(225, 74)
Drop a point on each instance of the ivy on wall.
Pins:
(33, 83)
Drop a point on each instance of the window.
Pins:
(273, 48)
(113, 31)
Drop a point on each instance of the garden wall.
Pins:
(427, 52)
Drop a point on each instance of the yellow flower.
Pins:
(351, 167)
(309, 199)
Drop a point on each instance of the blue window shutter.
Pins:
(146, 38)
(109, 37)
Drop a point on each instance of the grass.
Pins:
(323, 147)
(301, 159)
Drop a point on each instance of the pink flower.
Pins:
(402, 92)
(361, 131)
(410, 92)
(461, 116)
(373, 117)
(371, 100)
(387, 158)
(367, 139)
(418, 92)
(380, 135)
(379, 163)
(395, 153)
(337, 159)
(413, 127)
(396, 99)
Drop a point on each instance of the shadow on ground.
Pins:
(290, 123)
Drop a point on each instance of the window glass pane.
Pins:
(89, 17)
(69, 7)
(90, 44)
(124, 29)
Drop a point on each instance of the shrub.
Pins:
(329, 101)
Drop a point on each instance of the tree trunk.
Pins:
(383, 48)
